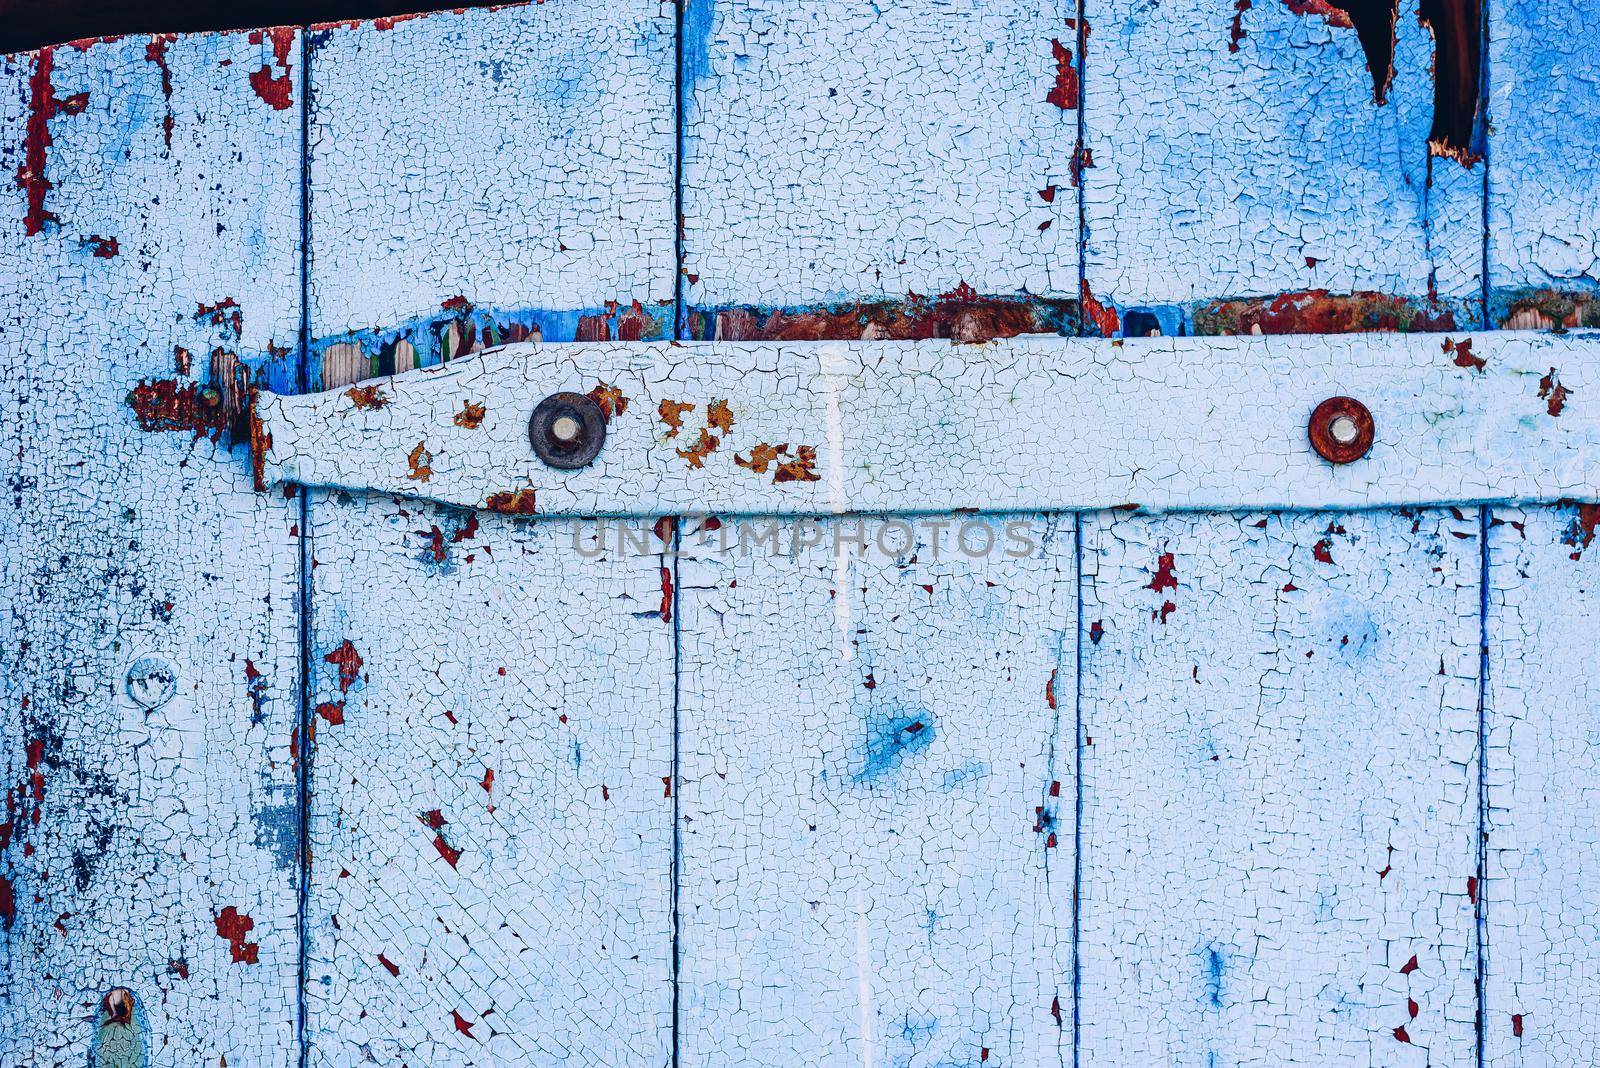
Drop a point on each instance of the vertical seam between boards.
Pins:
(1077, 777)
(303, 579)
(1480, 905)
(676, 784)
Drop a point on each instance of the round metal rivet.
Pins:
(1341, 430)
(151, 682)
(567, 430)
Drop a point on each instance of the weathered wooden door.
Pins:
(931, 668)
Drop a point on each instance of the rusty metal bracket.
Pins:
(1031, 423)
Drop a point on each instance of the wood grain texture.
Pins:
(490, 830)
(492, 836)
(877, 775)
(1027, 423)
(1542, 993)
(1279, 789)
(1237, 151)
(875, 150)
(149, 676)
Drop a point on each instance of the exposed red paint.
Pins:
(667, 525)
(1050, 689)
(1055, 1009)
(43, 105)
(1580, 533)
(1401, 1035)
(224, 313)
(488, 780)
(1409, 966)
(1412, 1007)
(1322, 551)
(8, 903)
(634, 323)
(1553, 393)
(332, 711)
(436, 547)
(518, 502)
(1104, 318)
(666, 786)
(234, 926)
(274, 89)
(1472, 889)
(666, 595)
(255, 685)
(1064, 93)
(105, 248)
(1097, 631)
(393, 968)
(1082, 160)
(1318, 311)
(1167, 608)
(1334, 16)
(1236, 32)
(1516, 1025)
(156, 52)
(461, 1024)
(1461, 351)
(1165, 577)
(166, 405)
(348, 661)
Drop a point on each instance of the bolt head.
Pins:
(567, 430)
(1341, 430)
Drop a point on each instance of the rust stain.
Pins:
(1333, 16)
(234, 926)
(43, 105)
(760, 458)
(1461, 351)
(367, 398)
(1317, 311)
(275, 89)
(634, 324)
(509, 502)
(1550, 309)
(166, 405)
(260, 444)
(610, 399)
(470, 417)
(1553, 393)
(666, 594)
(802, 468)
(1064, 92)
(419, 461)
(348, 661)
(961, 315)
(703, 446)
(671, 413)
(719, 416)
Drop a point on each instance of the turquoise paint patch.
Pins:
(119, 1033)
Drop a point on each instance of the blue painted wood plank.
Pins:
(877, 757)
(865, 152)
(1236, 151)
(1279, 789)
(1541, 996)
(490, 827)
(1544, 189)
(148, 850)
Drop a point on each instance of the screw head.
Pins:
(1341, 430)
(567, 430)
